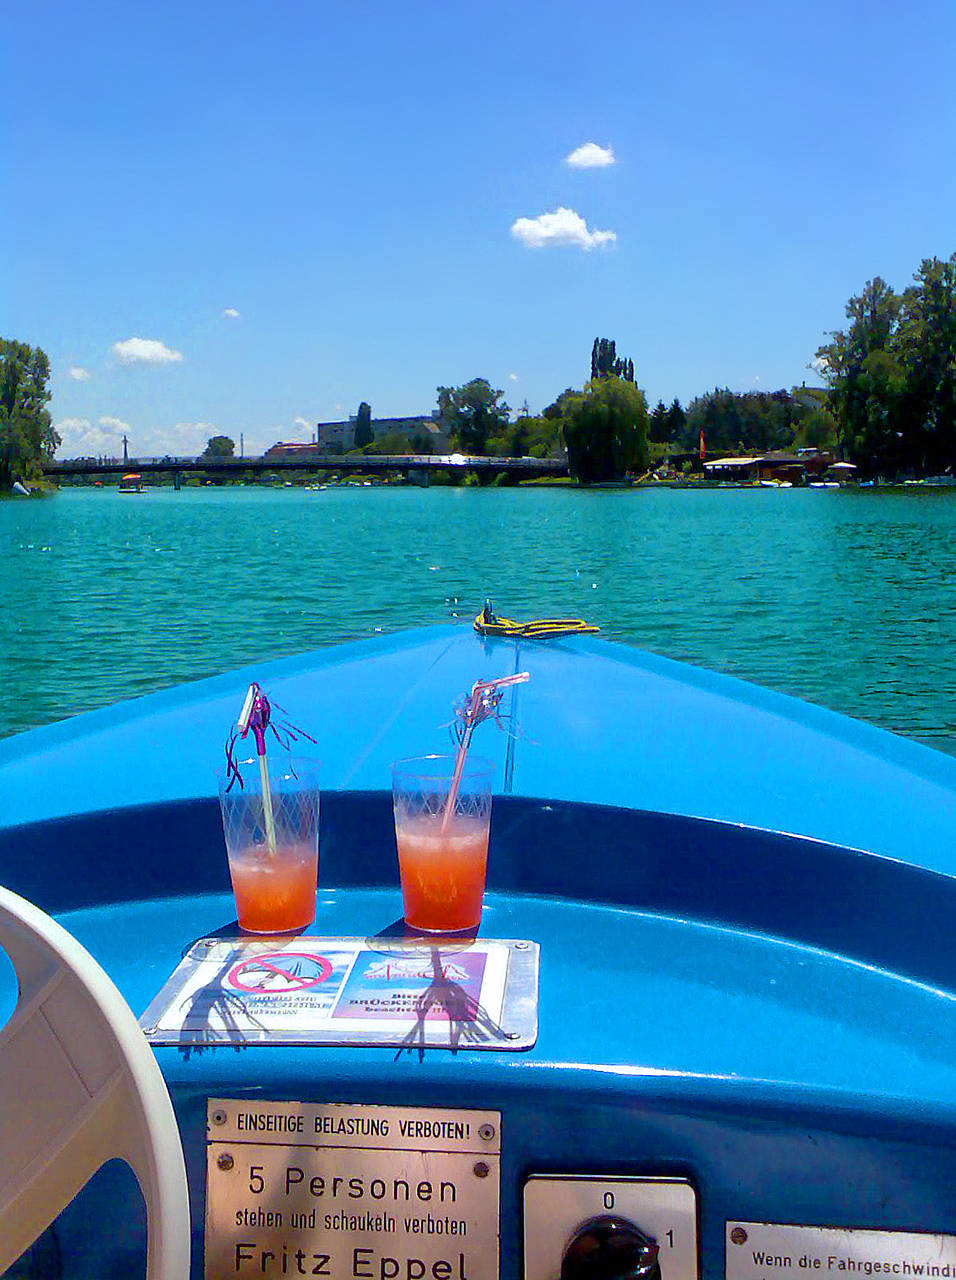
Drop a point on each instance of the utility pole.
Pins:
(125, 451)
(242, 445)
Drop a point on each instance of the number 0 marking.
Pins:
(609, 1199)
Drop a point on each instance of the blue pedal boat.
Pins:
(745, 1012)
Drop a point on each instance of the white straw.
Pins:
(267, 806)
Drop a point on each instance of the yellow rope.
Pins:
(488, 624)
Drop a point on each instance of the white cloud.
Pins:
(513, 377)
(184, 440)
(561, 227)
(83, 439)
(821, 365)
(231, 312)
(590, 156)
(145, 351)
(78, 374)
(301, 422)
(80, 439)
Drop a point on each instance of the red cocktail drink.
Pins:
(274, 893)
(272, 849)
(443, 872)
(442, 848)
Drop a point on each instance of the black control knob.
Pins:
(610, 1248)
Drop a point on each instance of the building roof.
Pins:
(732, 462)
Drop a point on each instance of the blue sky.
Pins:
(350, 180)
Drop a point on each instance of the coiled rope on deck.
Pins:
(487, 623)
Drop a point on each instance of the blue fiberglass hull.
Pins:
(598, 723)
(744, 907)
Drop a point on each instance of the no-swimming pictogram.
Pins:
(278, 972)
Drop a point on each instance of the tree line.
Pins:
(602, 428)
(891, 374)
(27, 438)
(606, 431)
(888, 404)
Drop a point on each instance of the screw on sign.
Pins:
(279, 971)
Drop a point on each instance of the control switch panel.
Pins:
(593, 1228)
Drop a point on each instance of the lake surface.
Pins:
(846, 598)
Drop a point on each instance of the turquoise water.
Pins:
(846, 598)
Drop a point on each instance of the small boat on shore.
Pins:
(740, 1031)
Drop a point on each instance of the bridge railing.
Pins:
(368, 463)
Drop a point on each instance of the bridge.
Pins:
(364, 464)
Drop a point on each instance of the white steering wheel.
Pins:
(79, 1086)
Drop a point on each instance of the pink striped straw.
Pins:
(481, 703)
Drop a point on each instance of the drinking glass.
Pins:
(442, 848)
(275, 886)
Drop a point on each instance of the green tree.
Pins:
(876, 434)
(473, 413)
(364, 435)
(528, 437)
(544, 438)
(27, 438)
(562, 406)
(676, 417)
(218, 448)
(753, 421)
(892, 374)
(606, 430)
(925, 347)
(658, 424)
(843, 362)
(817, 429)
(605, 362)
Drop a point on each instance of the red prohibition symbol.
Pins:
(279, 971)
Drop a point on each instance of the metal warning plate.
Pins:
(340, 1190)
(773, 1251)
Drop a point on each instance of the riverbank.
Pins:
(468, 479)
(35, 489)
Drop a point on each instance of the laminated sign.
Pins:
(476, 994)
(351, 1192)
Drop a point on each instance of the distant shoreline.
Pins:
(47, 488)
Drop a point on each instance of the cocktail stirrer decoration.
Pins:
(482, 702)
(256, 714)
